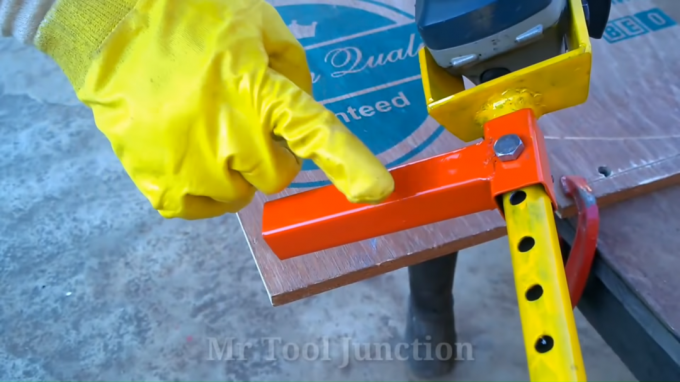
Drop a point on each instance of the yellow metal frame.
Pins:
(550, 335)
(545, 87)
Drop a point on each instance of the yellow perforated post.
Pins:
(550, 336)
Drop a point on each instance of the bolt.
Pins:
(508, 147)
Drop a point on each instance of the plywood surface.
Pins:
(639, 239)
(363, 54)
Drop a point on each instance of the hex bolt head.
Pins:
(508, 147)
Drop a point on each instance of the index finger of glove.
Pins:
(313, 132)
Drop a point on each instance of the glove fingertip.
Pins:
(371, 191)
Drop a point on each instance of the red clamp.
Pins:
(583, 250)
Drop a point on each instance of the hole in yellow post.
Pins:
(517, 197)
(534, 293)
(544, 344)
(526, 244)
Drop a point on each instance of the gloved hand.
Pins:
(204, 101)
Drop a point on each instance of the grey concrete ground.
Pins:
(96, 286)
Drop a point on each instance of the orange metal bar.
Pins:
(447, 186)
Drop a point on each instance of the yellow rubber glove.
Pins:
(204, 101)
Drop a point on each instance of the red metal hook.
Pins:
(585, 244)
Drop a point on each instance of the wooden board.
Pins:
(363, 53)
(639, 240)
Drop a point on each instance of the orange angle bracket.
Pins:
(459, 183)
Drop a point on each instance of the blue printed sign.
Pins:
(363, 55)
(639, 24)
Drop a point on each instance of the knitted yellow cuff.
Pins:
(74, 30)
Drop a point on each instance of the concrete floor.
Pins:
(96, 286)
